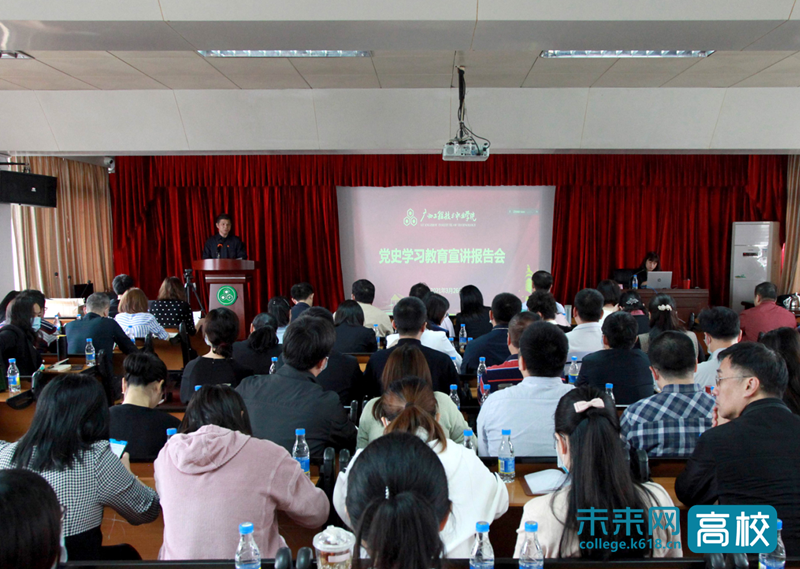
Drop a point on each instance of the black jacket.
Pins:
(342, 375)
(15, 343)
(492, 346)
(230, 247)
(354, 339)
(291, 399)
(259, 362)
(476, 325)
(628, 370)
(443, 372)
(751, 460)
(211, 371)
(104, 333)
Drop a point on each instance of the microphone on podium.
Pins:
(219, 250)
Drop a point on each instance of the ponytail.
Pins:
(409, 405)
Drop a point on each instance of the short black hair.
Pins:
(610, 291)
(420, 291)
(518, 324)
(505, 306)
(542, 280)
(620, 330)
(219, 405)
(765, 364)
(301, 291)
(142, 369)
(222, 216)
(122, 283)
(363, 291)
(349, 312)
(221, 328)
(437, 307)
(767, 290)
(589, 304)
(544, 303)
(308, 340)
(720, 323)
(318, 312)
(409, 315)
(544, 347)
(672, 355)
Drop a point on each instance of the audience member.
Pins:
(438, 341)
(494, 345)
(750, 458)
(352, 336)
(67, 444)
(120, 285)
(544, 304)
(408, 360)
(170, 308)
(437, 307)
(30, 522)
(786, 342)
(526, 408)
(215, 474)
(17, 336)
(720, 327)
(409, 406)
(650, 263)
(611, 294)
(397, 513)
(474, 315)
(217, 366)
(587, 442)
(410, 317)
(261, 346)
(619, 363)
(4, 304)
(137, 421)
(542, 281)
(45, 332)
(363, 292)
(291, 398)
(104, 331)
(631, 302)
(508, 371)
(420, 291)
(302, 297)
(664, 316)
(280, 309)
(134, 318)
(587, 336)
(669, 423)
(766, 315)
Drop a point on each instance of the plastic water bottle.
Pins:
(481, 371)
(610, 392)
(454, 395)
(171, 431)
(129, 333)
(573, 370)
(469, 441)
(635, 282)
(777, 558)
(505, 458)
(57, 324)
(377, 335)
(89, 353)
(531, 556)
(485, 395)
(247, 554)
(12, 375)
(300, 451)
(455, 364)
(482, 553)
(462, 337)
(273, 367)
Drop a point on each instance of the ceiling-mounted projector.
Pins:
(465, 146)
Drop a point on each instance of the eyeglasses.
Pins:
(719, 379)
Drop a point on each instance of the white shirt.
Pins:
(279, 333)
(142, 324)
(373, 315)
(476, 493)
(447, 324)
(606, 311)
(434, 340)
(706, 374)
(586, 337)
(528, 409)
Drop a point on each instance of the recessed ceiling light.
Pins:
(283, 53)
(622, 53)
(14, 55)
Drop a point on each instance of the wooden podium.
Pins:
(226, 280)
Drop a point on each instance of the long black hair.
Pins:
(349, 312)
(20, 313)
(280, 309)
(218, 405)
(396, 510)
(786, 342)
(437, 307)
(599, 472)
(650, 256)
(663, 315)
(471, 301)
(264, 336)
(71, 415)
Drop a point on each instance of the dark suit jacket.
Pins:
(113, 307)
(492, 346)
(15, 343)
(628, 370)
(751, 460)
(291, 399)
(298, 309)
(476, 326)
(104, 333)
(443, 372)
(259, 362)
(354, 339)
(232, 247)
(342, 375)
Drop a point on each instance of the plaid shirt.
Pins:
(668, 423)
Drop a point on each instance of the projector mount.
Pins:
(465, 146)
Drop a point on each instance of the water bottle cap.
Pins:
(197, 387)
(453, 386)
(506, 432)
(609, 386)
(467, 432)
(487, 388)
(531, 526)
(88, 340)
(274, 359)
(12, 360)
(481, 359)
(374, 325)
(574, 358)
(171, 432)
(780, 524)
(245, 528)
(300, 432)
(469, 339)
(482, 527)
(463, 325)
(450, 338)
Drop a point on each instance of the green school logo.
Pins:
(226, 295)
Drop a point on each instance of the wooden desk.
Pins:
(688, 301)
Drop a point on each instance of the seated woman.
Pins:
(398, 517)
(281, 310)
(170, 308)
(134, 318)
(408, 360)
(611, 294)
(474, 315)
(631, 302)
(587, 440)
(663, 317)
(260, 347)
(650, 263)
(30, 521)
(409, 406)
(351, 336)
(18, 335)
(67, 444)
(214, 474)
(437, 306)
(786, 342)
(221, 329)
(137, 421)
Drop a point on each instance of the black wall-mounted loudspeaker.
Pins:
(27, 189)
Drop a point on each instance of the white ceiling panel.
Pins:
(390, 81)
(642, 73)
(33, 74)
(8, 86)
(84, 10)
(78, 63)
(413, 62)
(343, 81)
(25, 127)
(565, 73)
(89, 36)
(177, 69)
(766, 118)
(785, 73)
(785, 36)
(723, 69)
(259, 73)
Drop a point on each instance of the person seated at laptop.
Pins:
(508, 371)
(650, 263)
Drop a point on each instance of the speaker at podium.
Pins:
(227, 281)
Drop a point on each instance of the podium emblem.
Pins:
(226, 295)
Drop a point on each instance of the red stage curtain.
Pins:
(610, 210)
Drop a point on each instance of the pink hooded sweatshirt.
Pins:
(212, 480)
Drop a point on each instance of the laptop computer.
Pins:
(659, 279)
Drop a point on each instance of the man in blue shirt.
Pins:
(494, 345)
